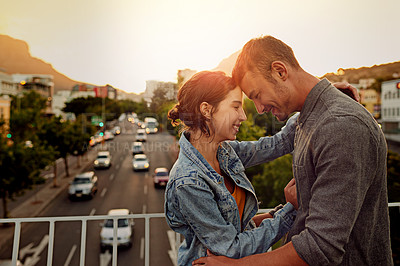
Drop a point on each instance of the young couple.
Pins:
(336, 210)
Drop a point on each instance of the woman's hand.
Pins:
(348, 89)
(291, 193)
(260, 217)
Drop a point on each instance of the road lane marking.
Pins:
(142, 248)
(92, 212)
(144, 209)
(103, 192)
(146, 175)
(105, 258)
(35, 251)
(70, 255)
(145, 189)
(117, 167)
(112, 176)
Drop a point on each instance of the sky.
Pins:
(126, 42)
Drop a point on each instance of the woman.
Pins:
(209, 199)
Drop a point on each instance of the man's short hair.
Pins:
(259, 53)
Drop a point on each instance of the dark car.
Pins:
(137, 148)
(161, 177)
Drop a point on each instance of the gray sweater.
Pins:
(339, 163)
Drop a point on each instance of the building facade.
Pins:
(372, 101)
(7, 84)
(40, 83)
(5, 106)
(152, 85)
(390, 114)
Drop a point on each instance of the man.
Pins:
(339, 164)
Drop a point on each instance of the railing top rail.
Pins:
(82, 218)
(103, 217)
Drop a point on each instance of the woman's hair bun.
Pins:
(173, 114)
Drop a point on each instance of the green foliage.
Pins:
(20, 168)
(26, 115)
(91, 106)
(270, 182)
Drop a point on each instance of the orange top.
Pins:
(240, 196)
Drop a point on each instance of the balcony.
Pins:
(145, 252)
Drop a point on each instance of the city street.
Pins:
(118, 187)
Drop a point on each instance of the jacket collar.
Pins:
(312, 99)
(226, 156)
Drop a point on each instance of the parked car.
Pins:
(124, 230)
(108, 135)
(116, 130)
(103, 160)
(137, 148)
(161, 177)
(83, 185)
(141, 135)
(140, 162)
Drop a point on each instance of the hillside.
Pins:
(16, 58)
(353, 75)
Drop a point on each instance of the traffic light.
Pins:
(101, 124)
(9, 135)
(101, 134)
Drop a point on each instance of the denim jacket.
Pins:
(200, 207)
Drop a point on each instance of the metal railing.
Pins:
(84, 220)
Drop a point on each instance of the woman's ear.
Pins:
(205, 109)
(280, 70)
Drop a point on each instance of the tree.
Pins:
(20, 168)
(26, 114)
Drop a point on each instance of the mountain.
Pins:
(228, 63)
(16, 58)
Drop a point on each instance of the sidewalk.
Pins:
(35, 204)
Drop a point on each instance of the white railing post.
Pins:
(50, 243)
(115, 241)
(146, 241)
(83, 242)
(17, 232)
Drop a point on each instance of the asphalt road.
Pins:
(118, 187)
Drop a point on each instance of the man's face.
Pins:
(266, 95)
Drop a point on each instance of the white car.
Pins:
(141, 135)
(124, 230)
(83, 185)
(103, 160)
(140, 162)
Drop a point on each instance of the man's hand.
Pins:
(348, 89)
(213, 260)
(291, 193)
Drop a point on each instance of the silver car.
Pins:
(83, 185)
(140, 162)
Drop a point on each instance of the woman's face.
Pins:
(229, 115)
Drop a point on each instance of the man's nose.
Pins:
(259, 107)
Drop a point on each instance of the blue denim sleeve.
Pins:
(200, 210)
(267, 148)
